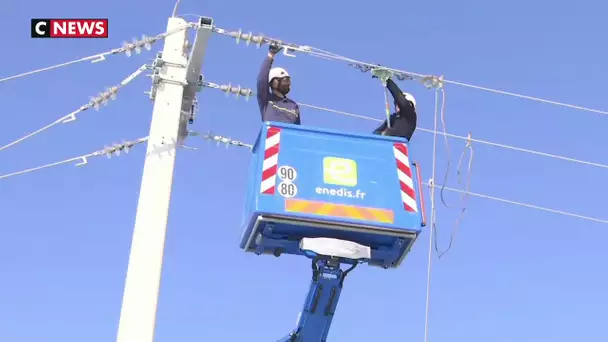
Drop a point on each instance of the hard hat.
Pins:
(410, 98)
(277, 73)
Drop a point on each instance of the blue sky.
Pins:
(514, 274)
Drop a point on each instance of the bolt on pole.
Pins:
(172, 90)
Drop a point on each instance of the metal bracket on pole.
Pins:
(193, 75)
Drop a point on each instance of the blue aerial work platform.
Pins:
(337, 198)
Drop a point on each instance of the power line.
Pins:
(228, 141)
(247, 92)
(127, 48)
(526, 97)
(101, 99)
(466, 138)
(428, 80)
(115, 149)
(526, 205)
(124, 147)
(432, 233)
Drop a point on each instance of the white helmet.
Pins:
(409, 97)
(277, 73)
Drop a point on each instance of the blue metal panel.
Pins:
(310, 152)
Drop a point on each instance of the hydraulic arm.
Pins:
(326, 285)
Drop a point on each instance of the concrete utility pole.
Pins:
(176, 79)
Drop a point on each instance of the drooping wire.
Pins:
(127, 48)
(446, 175)
(432, 231)
(447, 149)
(95, 102)
(465, 196)
(115, 149)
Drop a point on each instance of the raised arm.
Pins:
(405, 108)
(263, 93)
(397, 94)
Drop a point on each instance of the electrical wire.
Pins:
(489, 143)
(116, 148)
(447, 149)
(108, 151)
(469, 140)
(247, 92)
(464, 197)
(95, 102)
(526, 205)
(479, 141)
(424, 78)
(127, 48)
(175, 8)
(125, 147)
(403, 74)
(387, 107)
(446, 174)
(432, 232)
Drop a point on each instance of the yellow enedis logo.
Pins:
(339, 171)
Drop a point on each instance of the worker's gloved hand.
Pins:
(274, 48)
(382, 74)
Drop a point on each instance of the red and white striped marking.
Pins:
(406, 181)
(271, 161)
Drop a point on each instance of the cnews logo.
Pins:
(69, 28)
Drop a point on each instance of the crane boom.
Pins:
(328, 255)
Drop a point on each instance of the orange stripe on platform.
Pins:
(339, 210)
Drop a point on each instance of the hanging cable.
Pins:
(259, 40)
(387, 107)
(464, 197)
(115, 149)
(432, 231)
(447, 149)
(127, 49)
(96, 102)
(383, 76)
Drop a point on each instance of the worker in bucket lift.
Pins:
(272, 89)
(403, 120)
